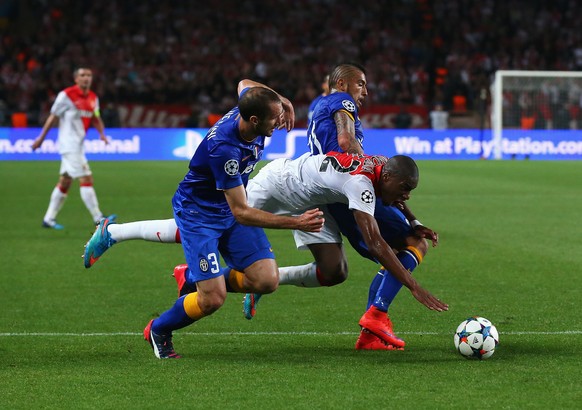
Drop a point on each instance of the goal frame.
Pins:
(497, 99)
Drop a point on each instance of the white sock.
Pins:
(304, 276)
(164, 230)
(55, 204)
(89, 197)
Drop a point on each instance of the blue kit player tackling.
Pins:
(214, 219)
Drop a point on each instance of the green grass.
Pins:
(509, 251)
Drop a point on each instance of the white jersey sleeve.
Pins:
(360, 194)
(62, 104)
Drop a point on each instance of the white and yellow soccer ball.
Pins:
(476, 338)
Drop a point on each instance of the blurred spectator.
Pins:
(439, 118)
(177, 52)
(562, 117)
(402, 120)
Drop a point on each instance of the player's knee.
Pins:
(340, 277)
(419, 243)
(211, 302)
(65, 182)
(268, 286)
(88, 179)
(333, 275)
(422, 246)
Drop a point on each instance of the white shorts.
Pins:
(75, 165)
(265, 193)
(329, 234)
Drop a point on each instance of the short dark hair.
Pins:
(401, 165)
(256, 101)
(77, 69)
(344, 70)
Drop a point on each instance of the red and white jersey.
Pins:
(75, 111)
(313, 180)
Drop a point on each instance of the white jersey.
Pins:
(290, 187)
(439, 120)
(75, 111)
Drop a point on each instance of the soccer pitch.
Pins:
(510, 246)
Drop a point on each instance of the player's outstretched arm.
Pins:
(385, 255)
(310, 221)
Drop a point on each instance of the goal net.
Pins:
(525, 101)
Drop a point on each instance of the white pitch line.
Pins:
(46, 334)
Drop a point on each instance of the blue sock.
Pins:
(172, 319)
(390, 286)
(374, 286)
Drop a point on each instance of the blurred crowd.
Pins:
(193, 53)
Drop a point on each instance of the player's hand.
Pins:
(103, 138)
(311, 221)
(427, 233)
(36, 144)
(288, 115)
(428, 300)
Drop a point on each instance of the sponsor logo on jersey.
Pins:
(367, 196)
(348, 105)
(204, 265)
(231, 167)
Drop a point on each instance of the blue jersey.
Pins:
(322, 134)
(223, 160)
(322, 131)
(208, 229)
(312, 107)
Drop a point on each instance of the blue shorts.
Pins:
(394, 226)
(206, 237)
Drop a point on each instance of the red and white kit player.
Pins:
(76, 108)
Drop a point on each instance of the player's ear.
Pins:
(254, 120)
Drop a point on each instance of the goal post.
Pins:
(534, 100)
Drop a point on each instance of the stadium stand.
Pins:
(174, 52)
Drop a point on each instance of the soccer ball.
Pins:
(476, 338)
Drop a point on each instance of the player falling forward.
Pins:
(320, 179)
(336, 126)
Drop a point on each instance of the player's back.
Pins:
(312, 180)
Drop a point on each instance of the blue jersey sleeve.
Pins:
(224, 160)
(322, 131)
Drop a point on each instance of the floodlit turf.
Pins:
(510, 251)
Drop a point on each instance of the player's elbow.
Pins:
(344, 142)
(241, 214)
(242, 84)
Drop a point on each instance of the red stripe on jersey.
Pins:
(367, 165)
(85, 103)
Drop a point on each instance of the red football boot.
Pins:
(377, 322)
(369, 341)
